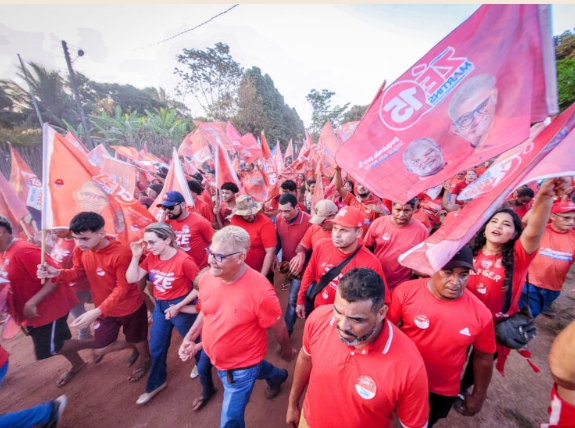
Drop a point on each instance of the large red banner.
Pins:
(470, 98)
(24, 181)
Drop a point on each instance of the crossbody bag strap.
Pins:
(508, 296)
(334, 271)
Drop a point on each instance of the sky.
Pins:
(347, 49)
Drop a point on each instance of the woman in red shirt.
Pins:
(171, 271)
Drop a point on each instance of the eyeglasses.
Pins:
(466, 120)
(220, 257)
(567, 218)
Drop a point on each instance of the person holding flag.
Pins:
(222, 210)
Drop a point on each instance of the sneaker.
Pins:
(147, 396)
(273, 391)
(194, 374)
(58, 406)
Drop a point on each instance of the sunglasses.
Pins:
(170, 208)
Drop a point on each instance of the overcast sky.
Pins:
(348, 49)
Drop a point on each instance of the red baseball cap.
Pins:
(563, 207)
(348, 217)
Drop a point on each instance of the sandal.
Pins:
(285, 286)
(200, 402)
(139, 373)
(68, 376)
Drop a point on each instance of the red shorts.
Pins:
(134, 326)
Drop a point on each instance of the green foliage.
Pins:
(566, 82)
(20, 136)
(323, 110)
(262, 107)
(564, 46)
(212, 77)
(354, 114)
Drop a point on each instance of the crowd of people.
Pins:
(379, 339)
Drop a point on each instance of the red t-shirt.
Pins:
(224, 213)
(203, 209)
(62, 253)
(105, 270)
(554, 259)
(236, 318)
(325, 256)
(390, 242)
(262, 235)
(369, 216)
(442, 330)
(172, 278)
(422, 216)
(18, 266)
(206, 197)
(194, 234)
(453, 182)
(4, 355)
(362, 387)
(314, 234)
(561, 413)
(487, 282)
(292, 233)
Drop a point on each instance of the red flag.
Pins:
(128, 152)
(269, 171)
(195, 146)
(347, 130)
(301, 164)
(318, 193)
(328, 145)
(24, 181)
(216, 128)
(73, 185)
(76, 142)
(278, 158)
(96, 156)
(470, 98)
(289, 151)
(225, 172)
(11, 206)
(490, 190)
(121, 172)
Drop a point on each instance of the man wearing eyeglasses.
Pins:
(193, 232)
(423, 157)
(472, 109)
(550, 266)
(236, 306)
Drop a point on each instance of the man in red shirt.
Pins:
(551, 265)
(291, 225)
(200, 206)
(41, 308)
(392, 236)
(194, 232)
(224, 210)
(443, 319)
(262, 233)
(288, 186)
(237, 305)
(358, 367)
(117, 303)
(328, 253)
(520, 201)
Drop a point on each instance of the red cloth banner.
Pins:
(128, 152)
(25, 182)
(195, 147)
(269, 171)
(278, 158)
(76, 142)
(347, 130)
(328, 145)
(470, 98)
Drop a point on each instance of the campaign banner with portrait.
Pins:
(523, 163)
(25, 182)
(72, 185)
(470, 98)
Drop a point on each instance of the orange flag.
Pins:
(318, 193)
(196, 147)
(278, 158)
(328, 144)
(127, 152)
(12, 207)
(123, 173)
(289, 151)
(73, 185)
(24, 181)
(76, 142)
(269, 171)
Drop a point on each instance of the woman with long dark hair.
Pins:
(502, 252)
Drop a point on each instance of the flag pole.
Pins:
(31, 91)
(44, 221)
(217, 163)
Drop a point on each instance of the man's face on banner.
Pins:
(91, 197)
(424, 158)
(475, 115)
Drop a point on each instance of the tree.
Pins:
(323, 110)
(564, 46)
(354, 114)
(212, 77)
(566, 82)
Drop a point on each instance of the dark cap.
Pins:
(463, 258)
(171, 198)
(156, 187)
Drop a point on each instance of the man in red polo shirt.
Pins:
(443, 319)
(224, 209)
(194, 233)
(347, 229)
(370, 206)
(358, 367)
(262, 233)
(549, 268)
(237, 305)
(288, 186)
(291, 224)
(392, 236)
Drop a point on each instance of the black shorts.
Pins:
(49, 339)
(134, 325)
(439, 407)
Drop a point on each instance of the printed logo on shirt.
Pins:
(6, 262)
(556, 255)
(366, 387)
(183, 237)
(100, 272)
(481, 288)
(422, 321)
(161, 280)
(498, 263)
(96, 325)
(486, 263)
(324, 294)
(59, 254)
(385, 236)
(465, 332)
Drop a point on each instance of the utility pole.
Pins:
(77, 95)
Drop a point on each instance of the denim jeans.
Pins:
(539, 298)
(3, 371)
(291, 316)
(205, 371)
(36, 416)
(237, 394)
(160, 338)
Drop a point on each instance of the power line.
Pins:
(191, 29)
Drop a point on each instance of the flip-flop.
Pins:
(133, 358)
(139, 373)
(68, 376)
(97, 359)
(200, 402)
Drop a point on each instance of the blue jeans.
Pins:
(3, 371)
(237, 394)
(160, 338)
(539, 298)
(291, 316)
(205, 371)
(37, 415)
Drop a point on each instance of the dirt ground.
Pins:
(101, 397)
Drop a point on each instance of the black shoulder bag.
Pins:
(517, 330)
(317, 287)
